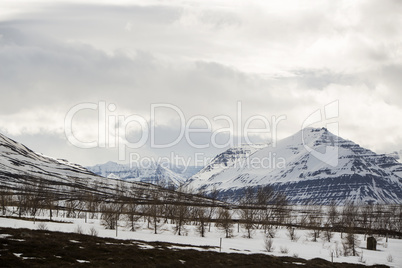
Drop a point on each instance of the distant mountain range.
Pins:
(23, 171)
(291, 167)
(300, 166)
(160, 174)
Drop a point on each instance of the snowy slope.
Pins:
(222, 162)
(304, 247)
(152, 173)
(360, 175)
(22, 169)
(17, 161)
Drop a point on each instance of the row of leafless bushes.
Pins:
(260, 208)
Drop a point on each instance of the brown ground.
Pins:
(55, 249)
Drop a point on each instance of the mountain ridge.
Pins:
(360, 176)
(162, 174)
(24, 172)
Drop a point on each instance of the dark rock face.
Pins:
(360, 189)
(341, 189)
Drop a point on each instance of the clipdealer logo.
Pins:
(112, 129)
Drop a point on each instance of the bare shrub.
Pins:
(292, 234)
(93, 231)
(284, 250)
(79, 229)
(327, 233)
(247, 212)
(338, 250)
(271, 230)
(225, 221)
(42, 226)
(346, 250)
(269, 244)
(350, 243)
(110, 214)
(314, 222)
(201, 214)
(361, 259)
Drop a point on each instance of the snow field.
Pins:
(387, 253)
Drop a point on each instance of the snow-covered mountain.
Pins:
(311, 166)
(23, 171)
(151, 173)
(221, 162)
(21, 168)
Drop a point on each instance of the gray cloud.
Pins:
(203, 58)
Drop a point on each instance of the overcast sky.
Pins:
(276, 58)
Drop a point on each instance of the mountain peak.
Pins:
(314, 129)
(153, 172)
(316, 132)
(299, 166)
